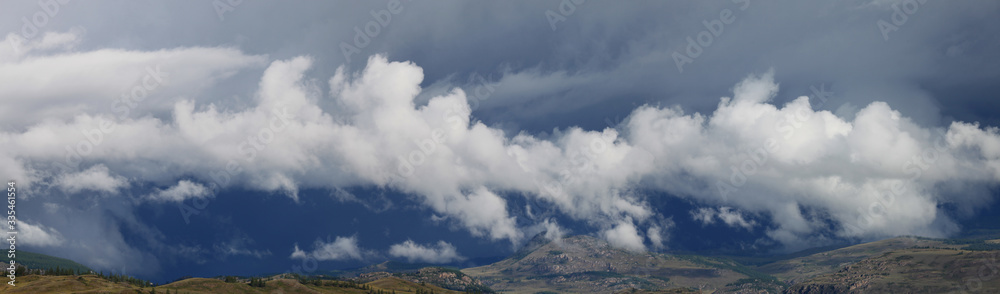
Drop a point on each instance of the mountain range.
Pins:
(584, 264)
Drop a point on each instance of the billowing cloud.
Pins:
(96, 178)
(625, 235)
(36, 235)
(759, 158)
(90, 107)
(442, 252)
(342, 248)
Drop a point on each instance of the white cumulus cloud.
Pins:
(342, 248)
(97, 178)
(874, 175)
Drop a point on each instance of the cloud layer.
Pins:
(871, 173)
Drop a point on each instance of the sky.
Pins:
(170, 138)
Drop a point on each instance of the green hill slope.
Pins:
(41, 261)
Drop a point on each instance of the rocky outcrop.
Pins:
(817, 289)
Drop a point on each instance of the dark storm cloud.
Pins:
(602, 51)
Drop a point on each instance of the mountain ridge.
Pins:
(576, 264)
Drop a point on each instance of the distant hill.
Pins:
(390, 266)
(932, 266)
(36, 284)
(583, 264)
(406, 278)
(447, 278)
(41, 261)
(898, 265)
(799, 269)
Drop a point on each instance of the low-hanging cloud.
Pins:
(343, 248)
(442, 252)
(37, 235)
(95, 179)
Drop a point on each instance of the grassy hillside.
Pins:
(377, 282)
(404, 286)
(64, 284)
(36, 284)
